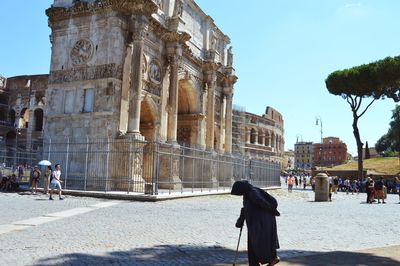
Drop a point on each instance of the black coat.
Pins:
(259, 210)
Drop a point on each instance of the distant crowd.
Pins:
(376, 188)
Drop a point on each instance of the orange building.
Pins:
(330, 153)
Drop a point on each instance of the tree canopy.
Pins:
(377, 80)
(390, 142)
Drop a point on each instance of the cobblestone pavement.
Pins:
(192, 231)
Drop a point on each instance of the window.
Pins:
(88, 101)
(69, 102)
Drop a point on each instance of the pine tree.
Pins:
(367, 155)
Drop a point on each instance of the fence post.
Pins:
(66, 163)
(86, 161)
(155, 171)
(107, 163)
(129, 165)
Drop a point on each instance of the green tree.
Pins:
(377, 80)
(390, 142)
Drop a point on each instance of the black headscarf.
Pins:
(240, 188)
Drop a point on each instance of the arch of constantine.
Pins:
(153, 70)
(139, 98)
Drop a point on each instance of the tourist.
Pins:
(296, 180)
(20, 171)
(370, 190)
(47, 175)
(379, 190)
(35, 177)
(290, 182)
(335, 184)
(397, 184)
(313, 183)
(304, 182)
(259, 211)
(55, 182)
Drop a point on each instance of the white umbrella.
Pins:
(44, 162)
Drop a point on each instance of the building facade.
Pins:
(303, 152)
(22, 103)
(154, 70)
(260, 137)
(330, 153)
(289, 160)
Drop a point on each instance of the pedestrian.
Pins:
(290, 182)
(35, 177)
(55, 182)
(304, 182)
(397, 184)
(335, 184)
(296, 180)
(379, 190)
(47, 175)
(259, 211)
(20, 172)
(370, 190)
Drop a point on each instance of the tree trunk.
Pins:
(356, 133)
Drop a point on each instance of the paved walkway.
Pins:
(193, 231)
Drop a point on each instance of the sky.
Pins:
(283, 52)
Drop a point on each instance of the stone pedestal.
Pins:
(321, 187)
(169, 158)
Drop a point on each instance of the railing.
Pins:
(134, 166)
(6, 123)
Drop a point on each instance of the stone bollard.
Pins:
(321, 187)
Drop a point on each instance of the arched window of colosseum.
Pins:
(11, 116)
(267, 139)
(252, 136)
(273, 140)
(24, 120)
(261, 137)
(38, 114)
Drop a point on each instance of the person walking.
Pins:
(35, 177)
(397, 185)
(55, 182)
(47, 175)
(290, 182)
(259, 211)
(379, 190)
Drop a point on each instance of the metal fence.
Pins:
(135, 166)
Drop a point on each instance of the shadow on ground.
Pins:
(205, 255)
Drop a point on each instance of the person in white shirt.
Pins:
(55, 181)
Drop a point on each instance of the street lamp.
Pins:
(318, 119)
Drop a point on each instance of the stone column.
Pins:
(228, 123)
(222, 132)
(211, 111)
(139, 32)
(248, 136)
(126, 79)
(174, 58)
(256, 137)
(262, 139)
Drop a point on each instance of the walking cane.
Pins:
(237, 248)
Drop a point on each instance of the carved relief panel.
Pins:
(81, 52)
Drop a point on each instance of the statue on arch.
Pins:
(229, 61)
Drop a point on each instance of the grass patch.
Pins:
(385, 165)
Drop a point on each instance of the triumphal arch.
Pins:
(148, 70)
(154, 70)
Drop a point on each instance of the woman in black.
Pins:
(259, 210)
